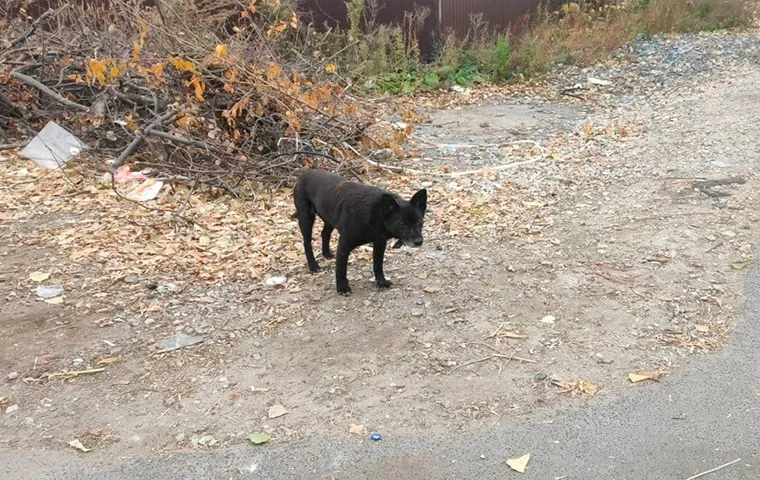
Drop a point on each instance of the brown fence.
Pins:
(445, 15)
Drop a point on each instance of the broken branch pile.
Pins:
(165, 88)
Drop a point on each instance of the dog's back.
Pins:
(333, 198)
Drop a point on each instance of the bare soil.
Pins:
(597, 260)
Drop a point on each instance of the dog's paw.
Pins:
(383, 284)
(328, 255)
(315, 268)
(344, 290)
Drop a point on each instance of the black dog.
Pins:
(362, 214)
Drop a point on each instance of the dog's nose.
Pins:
(417, 242)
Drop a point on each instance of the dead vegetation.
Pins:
(167, 89)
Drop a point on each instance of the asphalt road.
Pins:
(701, 417)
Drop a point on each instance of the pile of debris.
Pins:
(160, 89)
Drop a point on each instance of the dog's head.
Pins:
(402, 219)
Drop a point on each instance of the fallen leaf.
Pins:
(519, 464)
(739, 265)
(356, 429)
(39, 276)
(641, 376)
(276, 411)
(54, 301)
(124, 382)
(78, 445)
(258, 438)
(107, 361)
(702, 328)
(432, 289)
(422, 275)
(590, 388)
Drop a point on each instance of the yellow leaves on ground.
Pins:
(96, 70)
(331, 68)
(641, 375)
(221, 50)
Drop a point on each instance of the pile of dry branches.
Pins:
(201, 98)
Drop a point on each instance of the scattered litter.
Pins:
(53, 147)
(11, 409)
(356, 429)
(461, 89)
(258, 438)
(148, 190)
(178, 341)
(123, 174)
(519, 464)
(728, 233)
(419, 302)
(54, 301)
(276, 411)
(549, 319)
(259, 390)
(375, 437)
(449, 149)
(739, 265)
(276, 280)
(78, 445)
(47, 293)
(400, 126)
(599, 82)
(39, 276)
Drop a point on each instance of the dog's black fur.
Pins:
(362, 214)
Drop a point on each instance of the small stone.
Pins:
(12, 409)
(13, 376)
(728, 233)
(149, 321)
(180, 438)
(131, 279)
(540, 377)
(484, 124)
(549, 319)
(417, 312)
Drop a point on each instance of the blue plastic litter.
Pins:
(375, 437)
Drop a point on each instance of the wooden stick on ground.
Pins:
(714, 469)
(26, 79)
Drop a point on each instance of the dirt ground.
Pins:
(544, 283)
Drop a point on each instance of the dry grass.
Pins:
(581, 34)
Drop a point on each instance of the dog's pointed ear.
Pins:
(419, 200)
(388, 205)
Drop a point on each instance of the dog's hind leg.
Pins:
(306, 216)
(326, 232)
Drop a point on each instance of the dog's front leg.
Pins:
(341, 266)
(378, 254)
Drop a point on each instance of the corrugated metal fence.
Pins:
(445, 15)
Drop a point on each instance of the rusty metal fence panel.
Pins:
(456, 14)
